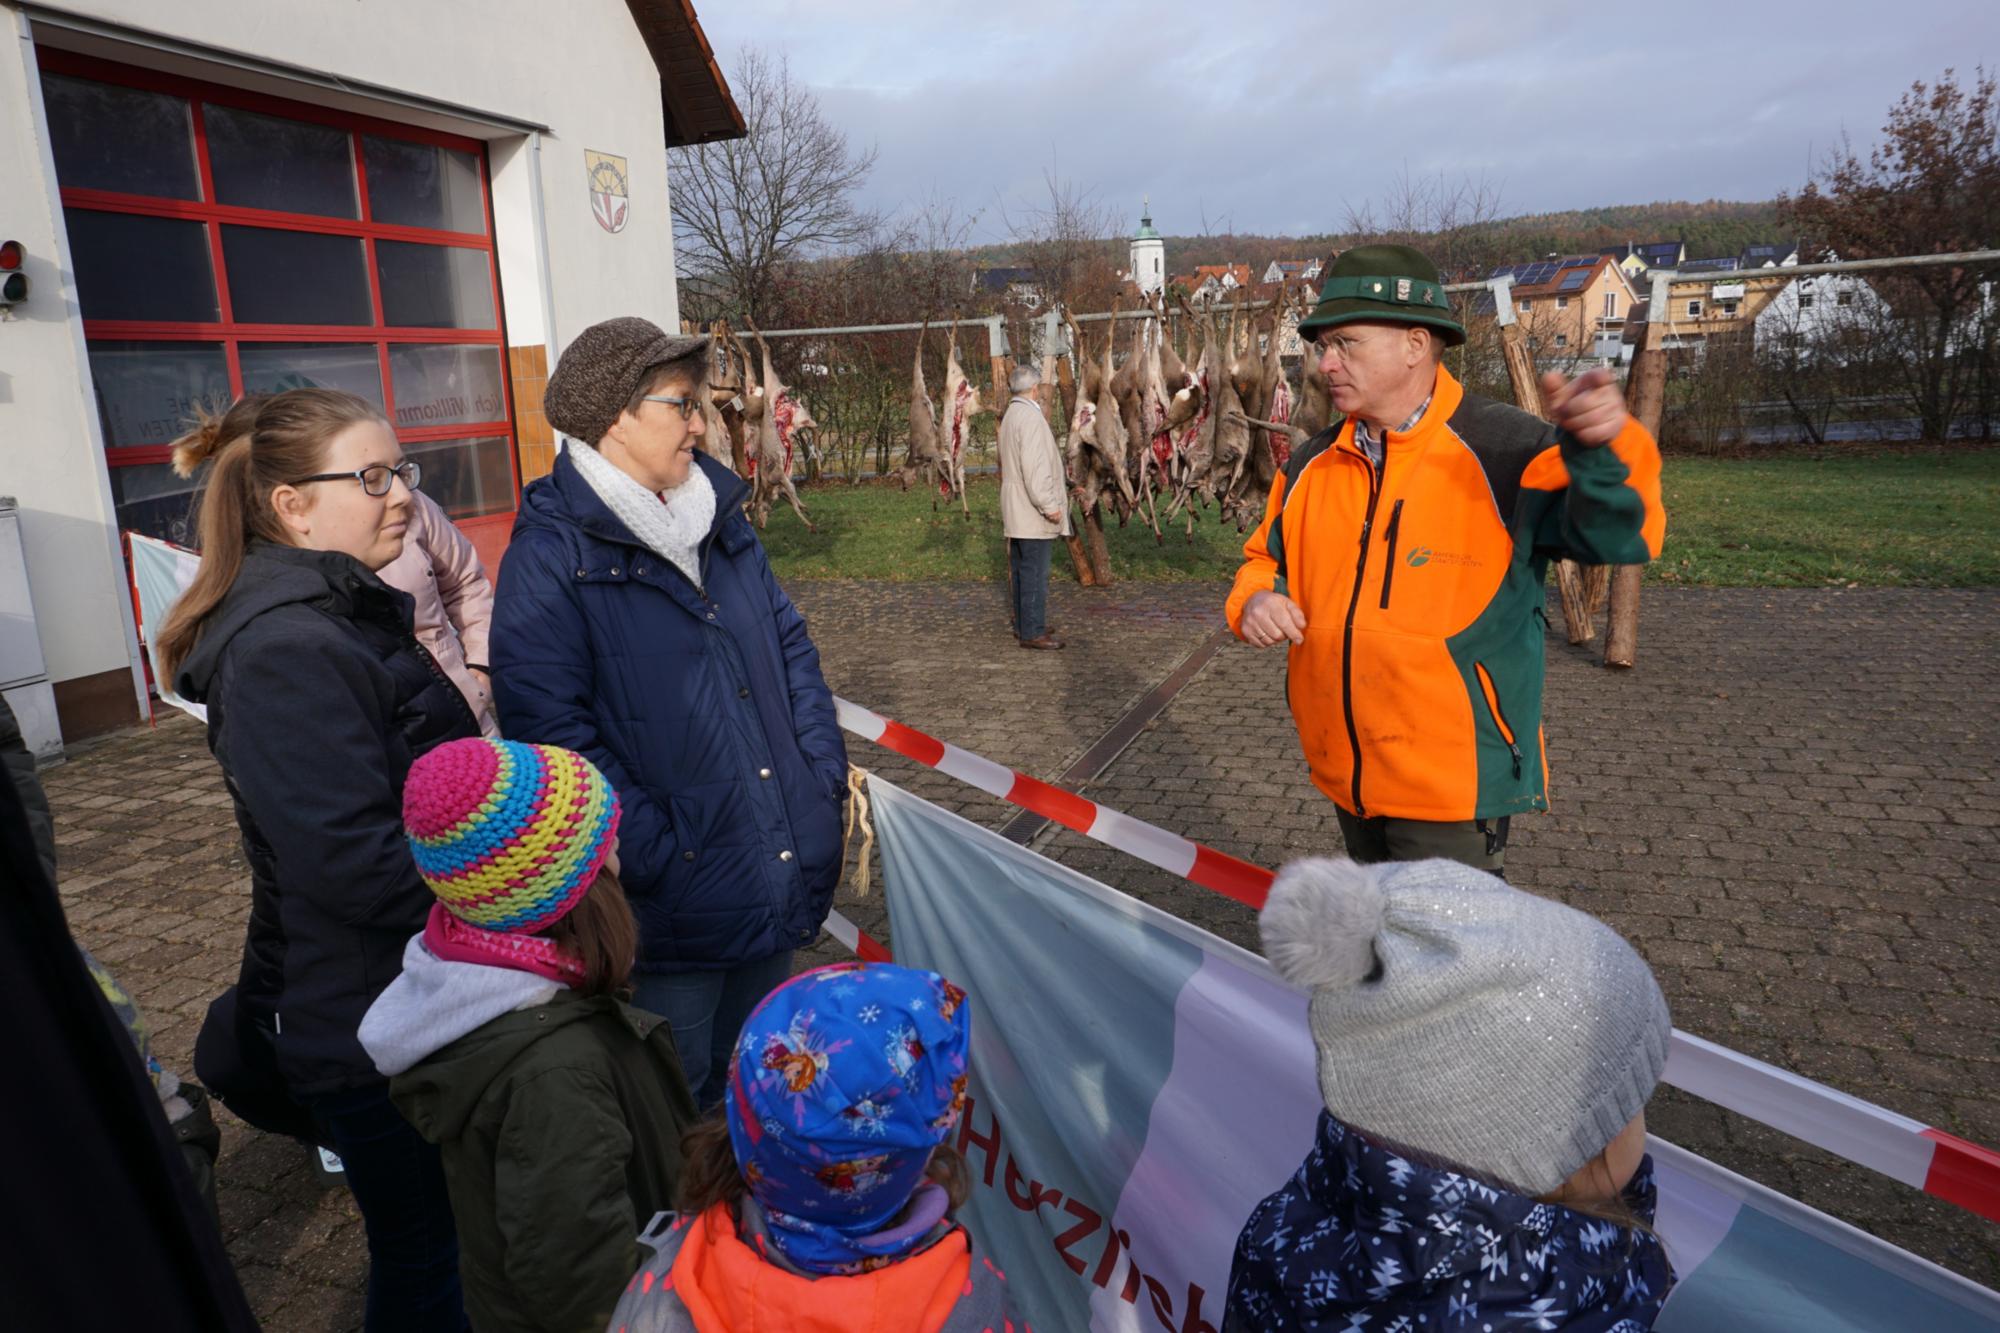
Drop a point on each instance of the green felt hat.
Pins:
(1388, 283)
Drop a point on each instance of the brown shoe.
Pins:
(1046, 641)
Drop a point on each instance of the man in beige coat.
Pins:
(1034, 504)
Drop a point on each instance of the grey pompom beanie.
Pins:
(1460, 1017)
(598, 373)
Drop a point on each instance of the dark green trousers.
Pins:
(1479, 843)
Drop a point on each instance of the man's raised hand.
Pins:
(1590, 407)
(1272, 617)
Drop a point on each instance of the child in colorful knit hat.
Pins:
(820, 1196)
(1486, 1056)
(558, 1108)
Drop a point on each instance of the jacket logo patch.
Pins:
(1420, 556)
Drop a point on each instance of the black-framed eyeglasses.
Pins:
(375, 480)
(686, 405)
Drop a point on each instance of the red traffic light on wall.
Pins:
(13, 282)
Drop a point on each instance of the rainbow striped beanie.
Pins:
(508, 836)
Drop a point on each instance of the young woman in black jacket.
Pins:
(319, 698)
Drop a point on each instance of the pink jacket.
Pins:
(440, 568)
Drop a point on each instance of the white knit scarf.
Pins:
(670, 524)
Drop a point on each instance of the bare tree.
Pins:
(1065, 238)
(1453, 222)
(745, 208)
(1931, 186)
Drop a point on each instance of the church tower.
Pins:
(1149, 254)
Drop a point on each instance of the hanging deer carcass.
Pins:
(961, 404)
(781, 422)
(927, 457)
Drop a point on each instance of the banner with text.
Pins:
(1138, 1085)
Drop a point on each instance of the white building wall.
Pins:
(581, 69)
(1149, 265)
(50, 453)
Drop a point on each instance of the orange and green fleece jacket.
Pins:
(1418, 689)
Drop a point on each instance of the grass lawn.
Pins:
(1922, 517)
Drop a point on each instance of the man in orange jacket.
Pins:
(1403, 554)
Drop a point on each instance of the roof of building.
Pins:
(1241, 272)
(1565, 276)
(999, 279)
(1146, 232)
(696, 98)
(1659, 253)
(1769, 256)
(1720, 264)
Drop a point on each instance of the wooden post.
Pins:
(1649, 391)
(1066, 383)
(1100, 558)
(1570, 585)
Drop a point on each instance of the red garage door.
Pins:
(228, 242)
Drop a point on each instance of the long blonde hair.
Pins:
(262, 442)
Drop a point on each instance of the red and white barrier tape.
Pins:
(1938, 1163)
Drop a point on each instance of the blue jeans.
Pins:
(398, 1181)
(1028, 562)
(706, 1011)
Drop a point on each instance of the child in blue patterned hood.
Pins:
(1486, 1057)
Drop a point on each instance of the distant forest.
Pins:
(1711, 228)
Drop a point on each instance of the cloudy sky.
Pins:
(1276, 117)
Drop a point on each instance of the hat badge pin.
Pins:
(1378, 286)
(1402, 289)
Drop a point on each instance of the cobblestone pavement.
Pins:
(1790, 806)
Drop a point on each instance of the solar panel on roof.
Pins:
(1574, 279)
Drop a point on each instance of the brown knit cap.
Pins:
(599, 372)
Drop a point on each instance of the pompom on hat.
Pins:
(508, 836)
(1463, 1018)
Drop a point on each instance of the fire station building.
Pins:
(418, 201)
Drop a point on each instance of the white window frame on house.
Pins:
(1611, 305)
(1562, 303)
(1844, 297)
(1562, 340)
(1805, 300)
(1694, 308)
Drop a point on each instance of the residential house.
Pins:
(1572, 307)
(1636, 260)
(1812, 317)
(1712, 298)
(1015, 286)
(1293, 270)
(1780, 255)
(1210, 283)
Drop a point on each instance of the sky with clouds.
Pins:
(1277, 117)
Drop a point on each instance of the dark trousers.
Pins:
(1028, 562)
(1479, 843)
(707, 1011)
(398, 1181)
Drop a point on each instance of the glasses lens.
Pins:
(412, 473)
(688, 407)
(375, 480)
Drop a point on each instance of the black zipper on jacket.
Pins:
(1347, 638)
(1490, 688)
(1389, 539)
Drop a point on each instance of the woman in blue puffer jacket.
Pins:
(638, 623)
